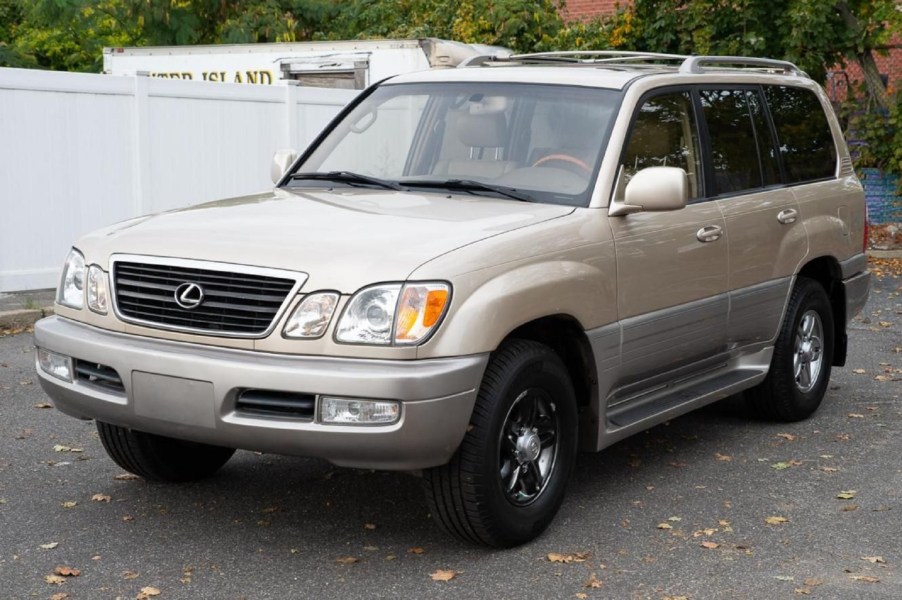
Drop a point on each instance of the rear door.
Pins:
(765, 235)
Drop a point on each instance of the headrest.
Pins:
(484, 130)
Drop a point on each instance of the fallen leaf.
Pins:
(812, 582)
(723, 457)
(784, 578)
(416, 550)
(884, 378)
(70, 504)
(54, 579)
(802, 591)
(710, 545)
(67, 571)
(444, 575)
(665, 526)
(829, 469)
(347, 560)
(581, 595)
(776, 520)
(787, 436)
(61, 448)
(859, 371)
(780, 466)
(59, 596)
(873, 559)
(593, 582)
(125, 477)
(50, 546)
(846, 494)
(146, 592)
(100, 498)
(675, 519)
(369, 526)
(884, 323)
(864, 578)
(556, 557)
(855, 416)
(849, 508)
(634, 462)
(127, 575)
(43, 405)
(128, 518)
(677, 464)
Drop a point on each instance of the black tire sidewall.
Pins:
(809, 296)
(515, 524)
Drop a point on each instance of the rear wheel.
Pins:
(803, 355)
(506, 481)
(159, 458)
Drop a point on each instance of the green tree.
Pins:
(815, 34)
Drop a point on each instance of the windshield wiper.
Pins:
(349, 177)
(470, 185)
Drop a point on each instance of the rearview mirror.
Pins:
(281, 161)
(653, 189)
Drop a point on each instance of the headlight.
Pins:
(393, 313)
(311, 317)
(369, 316)
(71, 292)
(98, 299)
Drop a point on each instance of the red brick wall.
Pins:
(586, 9)
(889, 65)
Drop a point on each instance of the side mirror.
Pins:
(281, 160)
(654, 189)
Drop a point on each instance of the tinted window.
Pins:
(734, 149)
(664, 135)
(767, 146)
(803, 133)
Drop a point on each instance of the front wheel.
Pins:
(803, 354)
(159, 458)
(507, 479)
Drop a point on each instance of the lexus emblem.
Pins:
(189, 295)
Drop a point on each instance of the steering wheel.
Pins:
(564, 158)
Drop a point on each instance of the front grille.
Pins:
(234, 303)
(276, 404)
(98, 375)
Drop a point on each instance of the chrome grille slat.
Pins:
(235, 303)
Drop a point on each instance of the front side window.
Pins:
(664, 134)
(526, 141)
(803, 133)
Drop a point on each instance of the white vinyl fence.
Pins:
(80, 151)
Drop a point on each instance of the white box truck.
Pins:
(338, 64)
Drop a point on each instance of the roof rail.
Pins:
(595, 56)
(686, 64)
(694, 64)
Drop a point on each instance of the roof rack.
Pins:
(694, 64)
(685, 64)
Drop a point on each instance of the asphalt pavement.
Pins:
(711, 505)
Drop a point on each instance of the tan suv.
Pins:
(474, 272)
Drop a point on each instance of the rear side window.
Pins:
(734, 150)
(803, 133)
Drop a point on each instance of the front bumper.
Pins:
(189, 391)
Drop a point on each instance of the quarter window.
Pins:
(803, 133)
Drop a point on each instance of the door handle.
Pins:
(709, 233)
(788, 216)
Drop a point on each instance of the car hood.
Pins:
(343, 239)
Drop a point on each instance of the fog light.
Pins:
(363, 412)
(54, 364)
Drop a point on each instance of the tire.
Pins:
(507, 479)
(158, 458)
(803, 355)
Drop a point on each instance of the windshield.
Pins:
(519, 141)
